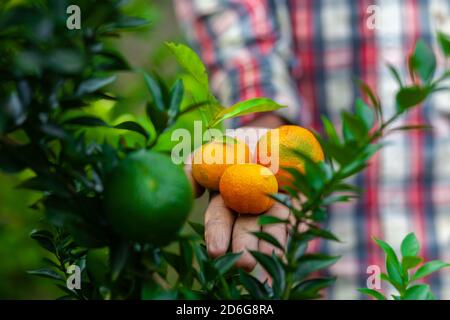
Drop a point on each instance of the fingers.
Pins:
(243, 240)
(218, 225)
(196, 188)
(278, 230)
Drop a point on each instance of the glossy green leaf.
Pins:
(266, 220)
(410, 245)
(309, 263)
(423, 61)
(46, 273)
(133, 126)
(444, 42)
(429, 268)
(412, 127)
(246, 107)
(176, 97)
(330, 131)
(127, 22)
(354, 129)
(92, 85)
(365, 88)
(409, 97)
(198, 228)
(86, 121)
(394, 271)
(224, 263)
(190, 62)
(410, 262)
(393, 266)
(417, 292)
(373, 293)
(44, 238)
(322, 233)
(158, 118)
(365, 113)
(274, 268)
(155, 92)
(268, 238)
(253, 286)
(309, 289)
(396, 74)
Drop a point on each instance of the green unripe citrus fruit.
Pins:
(148, 198)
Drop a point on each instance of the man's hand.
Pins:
(224, 227)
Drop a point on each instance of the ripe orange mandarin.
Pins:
(285, 139)
(245, 188)
(212, 159)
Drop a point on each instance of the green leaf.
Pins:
(309, 289)
(187, 256)
(409, 97)
(333, 199)
(330, 131)
(364, 87)
(410, 245)
(373, 293)
(255, 288)
(365, 113)
(266, 262)
(176, 97)
(395, 73)
(321, 233)
(395, 271)
(430, 296)
(417, 292)
(393, 266)
(158, 118)
(92, 85)
(444, 42)
(268, 238)
(423, 61)
(224, 263)
(46, 273)
(155, 92)
(354, 129)
(114, 61)
(198, 228)
(274, 268)
(86, 121)
(190, 62)
(410, 262)
(412, 127)
(246, 107)
(44, 238)
(300, 184)
(126, 22)
(310, 263)
(265, 220)
(133, 126)
(429, 268)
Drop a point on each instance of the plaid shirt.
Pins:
(304, 54)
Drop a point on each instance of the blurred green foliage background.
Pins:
(143, 49)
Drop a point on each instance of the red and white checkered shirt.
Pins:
(304, 54)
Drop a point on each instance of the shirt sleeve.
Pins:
(246, 46)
